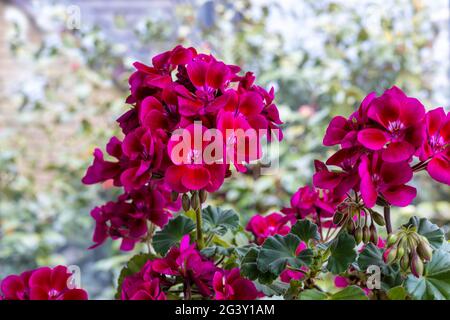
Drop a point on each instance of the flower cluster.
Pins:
(185, 264)
(380, 143)
(181, 89)
(263, 227)
(41, 284)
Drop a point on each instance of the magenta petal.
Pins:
(398, 151)
(250, 103)
(400, 196)
(373, 139)
(195, 177)
(326, 179)
(439, 169)
(173, 178)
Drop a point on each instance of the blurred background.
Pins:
(63, 80)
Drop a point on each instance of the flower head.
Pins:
(229, 285)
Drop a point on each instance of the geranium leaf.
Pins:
(134, 265)
(349, 293)
(397, 293)
(343, 253)
(219, 221)
(172, 233)
(277, 251)
(429, 230)
(305, 230)
(313, 294)
(249, 267)
(371, 255)
(435, 284)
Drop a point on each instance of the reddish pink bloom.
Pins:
(386, 179)
(191, 171)
(189, 264)
(314, 203)
(263, 227)
(229, 285)
(398, 126)
(436, 145)
(142, 286)
(41, 284)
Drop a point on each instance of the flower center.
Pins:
(396, 129)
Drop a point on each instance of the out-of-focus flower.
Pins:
(229, 285)
(263, 227)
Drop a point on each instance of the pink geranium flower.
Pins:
(186, 262)
(263, 227)
(436, 146)
(142, 286)
(398, 126)
(191, 170)
(41, 284)
(229, 285)
(386, 179)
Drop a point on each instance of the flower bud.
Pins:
(416, 265)
(392, 238)
(350, 227)
(404, 262)
(185, 202)
(378, 218)
(389, 255)
(358, 235)
(195, 201)
(400, 252)
(424, 251)
(366, 234)
(373, 234)
(203, 195)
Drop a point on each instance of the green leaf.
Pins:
(429, 230)
(276, 288)
(172, 233)
(435, 285)
(343, 253)
(218, 221)
(217, 250)
(349, 293)
(134, 265)
(371, 255)
(305, 230)
(277, 251)
(313, 294)
(249, 267)
(397, 293)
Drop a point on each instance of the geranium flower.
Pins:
(41, 284)
(185, 261)
(140, 287)
(398, 129)
(191, 171)
(386, 179)
(436, 145)
(263, 227)
(229, 285)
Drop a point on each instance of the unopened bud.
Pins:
(203, 195)
(400, 253)
(351, 227)
(373, 234)
(424, 251)
(173, 196)
(389, 255)
(392, 238)
(195, 203)
(358, 235)
(416, 265)
(338, 217)
(404, 262)
(185, 202)
(366, 234)
(378, 218)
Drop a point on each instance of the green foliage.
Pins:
(349, 293)
(305, 230)
(435, 284)
(429, 230)
(278, 251)
(343, 253)
(219, 221)
(172, 233)
(133, 266)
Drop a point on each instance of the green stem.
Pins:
(198, 220)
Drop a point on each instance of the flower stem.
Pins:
(198, 220)
(387, 218)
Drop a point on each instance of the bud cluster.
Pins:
(409, 249)
(361, 226)
(194, 201)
